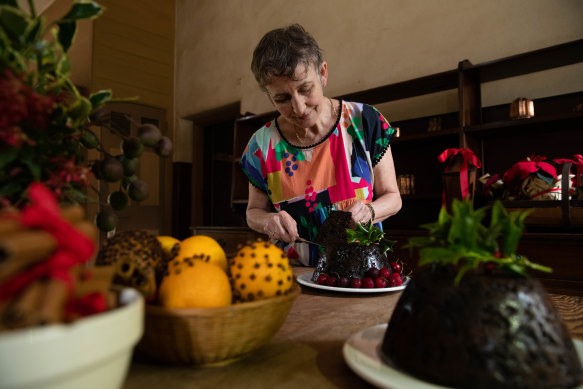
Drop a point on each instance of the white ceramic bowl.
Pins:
(91, 353)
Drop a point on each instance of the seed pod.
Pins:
(149, 134)
(106, 220)
(138, 190)
(132, 147)
(164, 147)
(112, 169)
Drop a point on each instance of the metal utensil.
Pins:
(309, 242)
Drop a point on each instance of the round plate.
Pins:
(306, 279)
(361, 353)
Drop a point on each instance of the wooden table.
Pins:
(307, 351)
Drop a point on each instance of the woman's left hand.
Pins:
(361, 214)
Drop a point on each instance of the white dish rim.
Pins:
(306, 280)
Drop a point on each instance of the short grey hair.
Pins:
(280, 51)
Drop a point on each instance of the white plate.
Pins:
(306, 279)
(361, 353)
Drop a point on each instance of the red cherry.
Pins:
(380, 282)
(321, 279)
(396, 266)
(331, 281)
(396, 275)
(396, 281)
(367, 283)
(385, 272)
(343, 282)
(373, 272)
(355, 283)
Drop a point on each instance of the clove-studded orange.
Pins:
(260, 270)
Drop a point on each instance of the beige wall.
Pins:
(367, 43)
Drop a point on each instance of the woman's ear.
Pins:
(323, 74)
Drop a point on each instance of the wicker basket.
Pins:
(210, 336)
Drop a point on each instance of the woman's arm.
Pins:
(278, 225)
(387, 199)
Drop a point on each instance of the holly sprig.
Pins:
(464, 238)
(368, 234)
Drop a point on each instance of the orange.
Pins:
(194, 284)
(260, 270)
(168, 244)
(205, 248)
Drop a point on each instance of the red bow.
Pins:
(521, 170)
(468, 156)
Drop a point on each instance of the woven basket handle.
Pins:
(565, 193)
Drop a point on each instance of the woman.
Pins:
(318, 155)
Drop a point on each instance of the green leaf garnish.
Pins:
(368, 234)
(463, 239)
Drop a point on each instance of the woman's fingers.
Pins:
(360, 213)
(281, 226)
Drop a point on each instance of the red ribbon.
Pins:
(72, 246)
(468, 156)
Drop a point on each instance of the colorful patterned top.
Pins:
(310, 181)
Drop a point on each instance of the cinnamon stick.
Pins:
(51, 307)
(23, 248)
(74, 214)
(9, 225)
(20, 311)
(94, 279)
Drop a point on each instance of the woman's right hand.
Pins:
(277, 225)
(281, 226)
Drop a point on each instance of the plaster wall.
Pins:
(366, 43)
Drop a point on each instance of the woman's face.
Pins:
(301, 100)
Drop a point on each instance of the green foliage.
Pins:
(44, 119)
(463, 239)
(368, 234)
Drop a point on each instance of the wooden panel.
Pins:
(134, 51)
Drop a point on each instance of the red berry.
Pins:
(367, 283)
(396, 266)
(385, 273)
(396, 275)
(355, 283)
(331, 281)
(396, 281)
(321, 279)
(489, 267)
(380, 282)
(373, 272)
(343, 282)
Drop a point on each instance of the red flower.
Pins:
(21, 108)
(67, 172)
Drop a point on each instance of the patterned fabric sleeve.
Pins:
(378, 133)
(251, 163)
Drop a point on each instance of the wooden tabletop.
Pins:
(307, 350)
